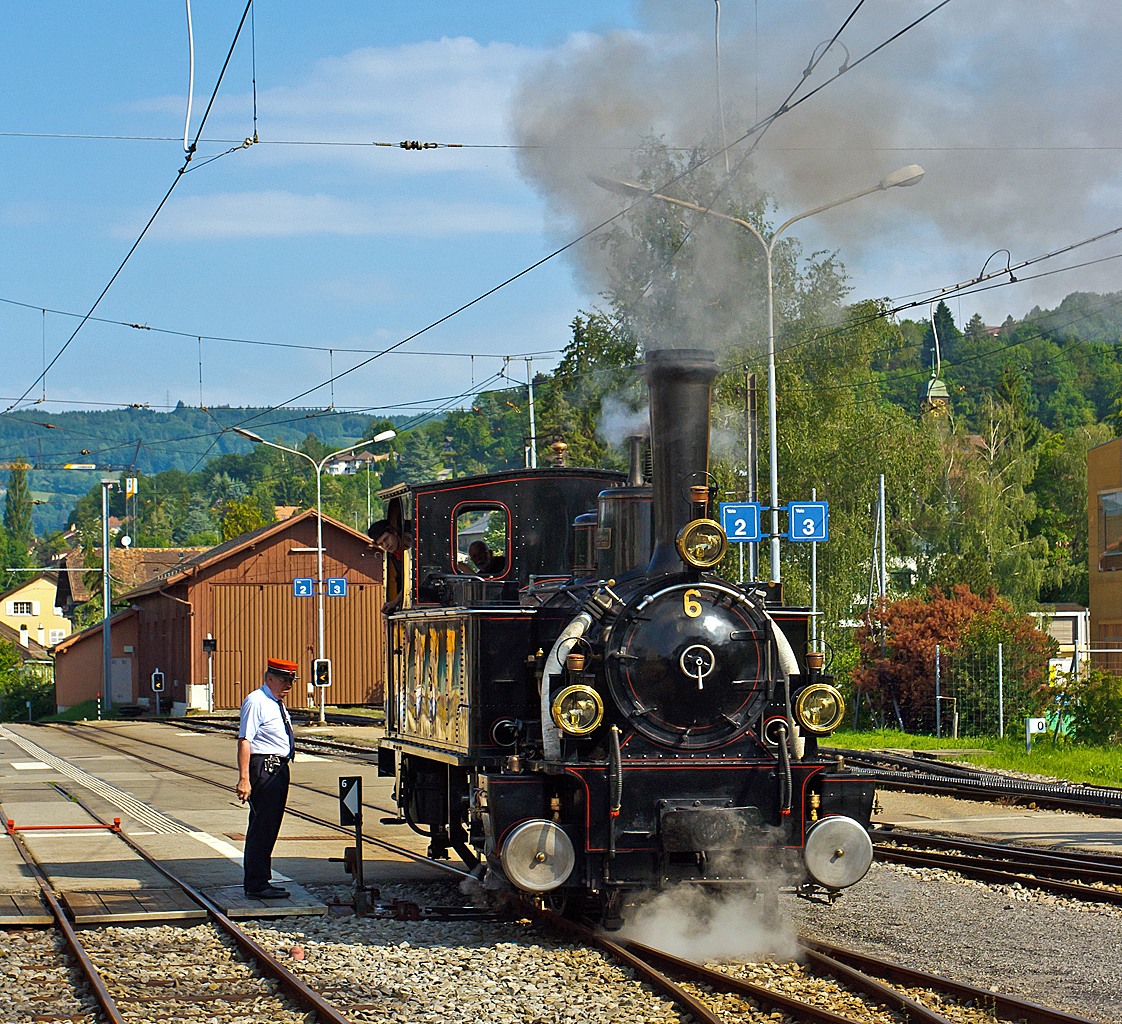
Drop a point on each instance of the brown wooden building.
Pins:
(1104, 535)
(241, 594)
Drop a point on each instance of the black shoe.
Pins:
(270, 892)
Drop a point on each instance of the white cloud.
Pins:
(281, 214)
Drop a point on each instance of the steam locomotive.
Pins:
(593, 713)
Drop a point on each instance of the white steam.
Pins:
(618, 421)
(704, 927)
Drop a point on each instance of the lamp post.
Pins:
(905, 176)
(106, 593)
(385, 435)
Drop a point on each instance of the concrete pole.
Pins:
(753, 460)
(814, 584)
(319, 574)
(533, 428)
(106, 595)
(772, 438)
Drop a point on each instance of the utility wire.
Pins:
(783, 109)
(568, 149)
(151, 220)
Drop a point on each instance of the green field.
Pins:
(1063, 760)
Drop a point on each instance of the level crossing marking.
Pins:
(118, 798)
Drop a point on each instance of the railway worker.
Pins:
(394, 542)
(487, 563)
(266, 745)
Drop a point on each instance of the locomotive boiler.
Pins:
(594, 713)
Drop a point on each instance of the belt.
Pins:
(269, 762)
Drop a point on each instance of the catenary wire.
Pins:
(151, 220)
(597, 228)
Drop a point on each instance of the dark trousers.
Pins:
(267, 798)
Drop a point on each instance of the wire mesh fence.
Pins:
(973, 690)
(985, 691)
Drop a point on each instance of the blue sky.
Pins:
(1010, 107)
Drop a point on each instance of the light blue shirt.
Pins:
(263, 723)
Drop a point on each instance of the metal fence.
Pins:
(983, 692)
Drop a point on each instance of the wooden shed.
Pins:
(241, 594)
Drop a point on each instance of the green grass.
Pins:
(1063, 760)
(87, 709)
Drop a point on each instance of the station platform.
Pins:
(195, 828)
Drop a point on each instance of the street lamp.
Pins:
(385, 435)
(902, 178)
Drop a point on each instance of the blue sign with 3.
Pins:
(741, 521)
(337, 586)
(304, 586)
(808, 521)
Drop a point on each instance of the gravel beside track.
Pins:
(38, 980)
(1043, 948)
(460, 972)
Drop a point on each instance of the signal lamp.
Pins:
(819, 709)
(578, 710)
(701, 543)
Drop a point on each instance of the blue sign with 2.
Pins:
(808, 521)
(337, 586)
(303, 586)
(741, 521)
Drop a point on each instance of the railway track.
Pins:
(213, 972)
(833, 985)
(88, 736)
(1088, 877)
(923, 775)
(233, 986)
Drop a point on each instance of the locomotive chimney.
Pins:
(679, 382)
(635, 460)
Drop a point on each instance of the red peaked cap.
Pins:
(280, 667)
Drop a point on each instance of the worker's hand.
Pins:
(243, 789)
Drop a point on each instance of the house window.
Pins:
(481, 543)
(1110, 531)
(57, 636)
(22, 608)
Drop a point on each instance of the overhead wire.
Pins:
(782, 110)
(151, 220)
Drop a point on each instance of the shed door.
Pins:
(253, 622)
(120, 680)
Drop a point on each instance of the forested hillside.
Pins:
(991, 493)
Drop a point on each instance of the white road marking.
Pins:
(951, 821)
(229, 851)
(313, 757)
(27, 766)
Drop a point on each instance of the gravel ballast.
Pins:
(1028, 944)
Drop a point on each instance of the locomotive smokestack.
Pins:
(680, 383)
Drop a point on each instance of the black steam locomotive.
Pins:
(576, 706)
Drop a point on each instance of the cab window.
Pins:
(481, 547)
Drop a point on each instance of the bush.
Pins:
(17, 688)
(1095, 705)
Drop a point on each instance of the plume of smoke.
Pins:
(618, 421)
(1010, 109)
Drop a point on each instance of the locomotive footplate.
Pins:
(698, 826)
